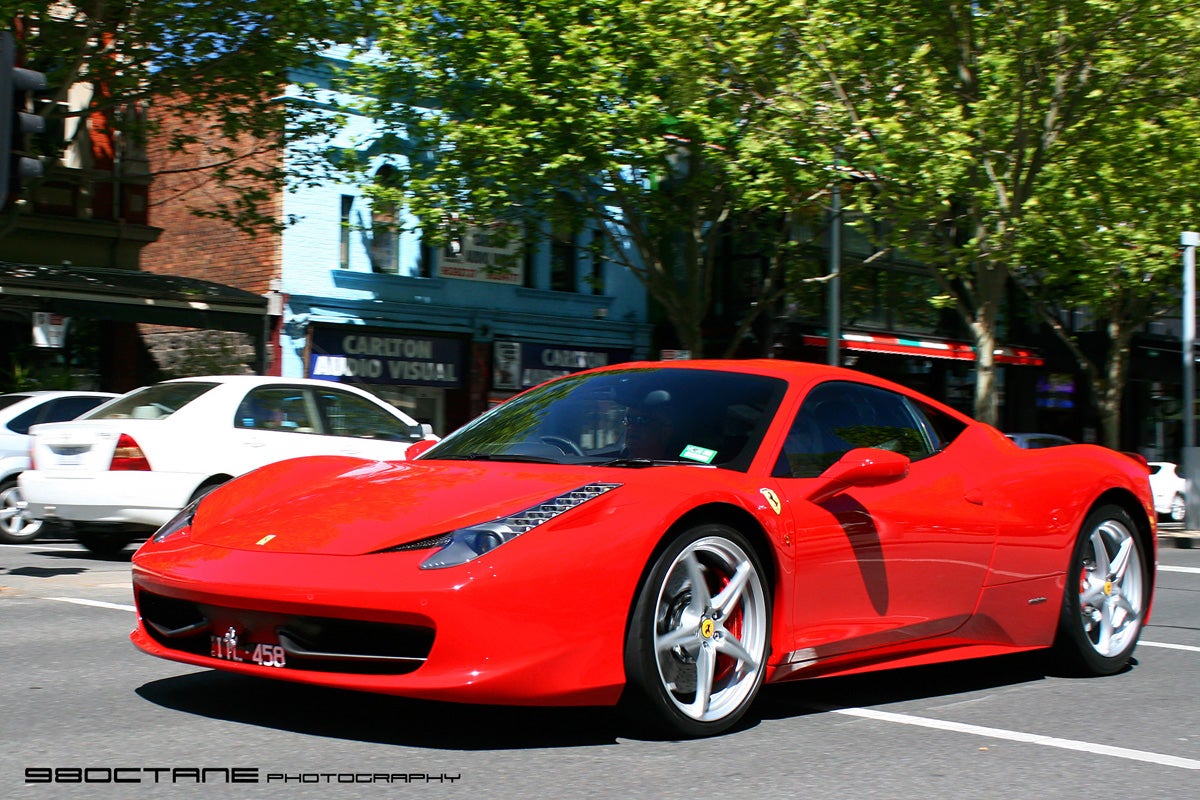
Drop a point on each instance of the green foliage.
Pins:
(649, 115)
(180, 60)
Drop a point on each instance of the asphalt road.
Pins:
(79, 702)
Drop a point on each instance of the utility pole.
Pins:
(1191, 454)
(835, 270)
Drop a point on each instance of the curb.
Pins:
(1183, 540)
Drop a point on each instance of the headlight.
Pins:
(177, 523)
(466, 544)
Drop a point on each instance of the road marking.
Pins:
(1018, 736)
(1168, 646)
(1188, 570)
(95, 603)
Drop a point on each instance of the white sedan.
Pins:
(19, 411)
(1169, 490)
(129, 466)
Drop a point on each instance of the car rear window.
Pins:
(158, 401)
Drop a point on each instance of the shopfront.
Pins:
(518, 365)
(423, 374)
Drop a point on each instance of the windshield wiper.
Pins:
(638, 463)
(498, 457)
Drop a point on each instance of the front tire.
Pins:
(1107, 595)
(699, 636)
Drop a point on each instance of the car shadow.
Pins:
(384, 719)
(380, 719)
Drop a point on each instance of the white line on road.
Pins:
(1168, 646)
(1018, 736)
(96, 603)
(1188, 570)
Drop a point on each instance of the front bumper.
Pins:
(480, 633)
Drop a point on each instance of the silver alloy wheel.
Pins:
(1178, 508)
(15, 523)
(711, 622)
(1111, 594)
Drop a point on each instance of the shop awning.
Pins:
(132, 296)
(926, 348)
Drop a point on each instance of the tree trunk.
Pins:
(1112, 387)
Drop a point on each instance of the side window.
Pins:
(22, 422)
(838, 417)
(943, 428)
(349, 415)
(66, 408)
(276, 408)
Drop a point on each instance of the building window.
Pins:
(564, 256)
(344, 232)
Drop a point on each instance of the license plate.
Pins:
(229, 648)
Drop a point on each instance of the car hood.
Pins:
(337, 505)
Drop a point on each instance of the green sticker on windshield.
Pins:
(701, 454)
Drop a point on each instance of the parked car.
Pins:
(1169, 490)
(129, 466)
(769, 521)
(1036, 441)
(18, 412)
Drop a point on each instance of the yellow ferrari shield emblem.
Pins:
(706, 628)
(772, 500)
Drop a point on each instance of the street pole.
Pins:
(1191, 454)
(835, 271)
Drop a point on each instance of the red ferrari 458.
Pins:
(666, 536)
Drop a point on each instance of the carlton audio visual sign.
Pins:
(338, 354)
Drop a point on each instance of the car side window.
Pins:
(65, 408)
(276, 408)
(840, 416)
(346, 414)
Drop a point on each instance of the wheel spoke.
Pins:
(701, 598)
(733, 648)
(706, 663)
(728, 597)
(1092, 593)
(1116, 570)
(1100, 552)
(679, 637)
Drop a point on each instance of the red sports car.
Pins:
(667, 536)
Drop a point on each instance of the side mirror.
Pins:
(863, 466)
(417, 448)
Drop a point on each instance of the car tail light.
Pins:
(128, 455)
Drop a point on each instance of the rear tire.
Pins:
(16, 526)
(699, 635)
(1106, 597)
(1178, 509)
(104, 545)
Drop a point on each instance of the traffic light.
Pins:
(15, 122)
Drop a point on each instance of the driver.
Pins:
(648, 427)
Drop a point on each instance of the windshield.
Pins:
(637, 416)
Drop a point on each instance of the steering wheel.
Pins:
(566, 445)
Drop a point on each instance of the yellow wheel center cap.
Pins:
(706, 628)
(1107, 588)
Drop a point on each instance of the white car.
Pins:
(19, 411)
(1169, 490)
(129, 466)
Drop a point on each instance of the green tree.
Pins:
(166, 63)
(1102, 245)
(647, 115)
(963, 109)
